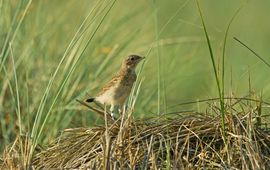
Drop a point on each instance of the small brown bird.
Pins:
(115, 92)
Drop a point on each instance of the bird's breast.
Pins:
(118, 93)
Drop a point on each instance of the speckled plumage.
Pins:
(116, 91)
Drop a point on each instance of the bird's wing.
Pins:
(111, 83)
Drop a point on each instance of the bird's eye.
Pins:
(132, 58)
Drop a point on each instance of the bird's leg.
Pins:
(112, 110)
(122, 109)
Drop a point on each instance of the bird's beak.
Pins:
(142, 58)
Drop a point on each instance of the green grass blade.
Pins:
(224, 50)
(214, 68)
(256, 54)
(158, 59)
(9, 39)
(18, 110)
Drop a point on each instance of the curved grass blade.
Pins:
(256, 54)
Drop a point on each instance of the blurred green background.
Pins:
(177, 69)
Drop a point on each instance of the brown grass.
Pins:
(173, 141)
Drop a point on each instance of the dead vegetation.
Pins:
(173, 141)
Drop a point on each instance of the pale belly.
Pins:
(115, 96)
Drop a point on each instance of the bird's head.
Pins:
(132, 61)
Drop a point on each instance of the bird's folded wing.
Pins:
(111, 83)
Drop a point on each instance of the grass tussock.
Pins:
(184, 140)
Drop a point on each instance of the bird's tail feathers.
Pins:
(92, 99)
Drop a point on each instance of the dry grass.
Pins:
(174, 141)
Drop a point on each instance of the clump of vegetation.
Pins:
(178, 140)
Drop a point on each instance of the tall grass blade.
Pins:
(18, 110)
(158, 59)
(224, 49)
(214, 67)
(10, 37)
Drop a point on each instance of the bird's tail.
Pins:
(90, 100)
